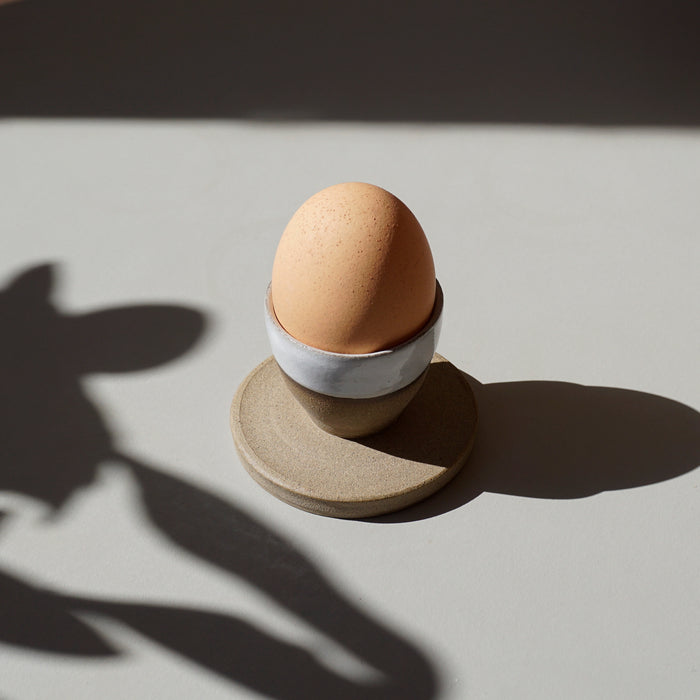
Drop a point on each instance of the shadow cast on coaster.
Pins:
(432, 428)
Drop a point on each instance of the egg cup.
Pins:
(411, 416)
(354, 395)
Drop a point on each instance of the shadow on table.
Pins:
(52, 442)
(630, 62)
(543, 439)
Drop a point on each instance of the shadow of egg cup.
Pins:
(353, 436)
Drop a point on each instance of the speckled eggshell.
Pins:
(353, 272)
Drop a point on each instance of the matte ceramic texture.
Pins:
(352, 376)
(306, 467)
(353, 418)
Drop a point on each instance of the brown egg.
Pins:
(353, 271)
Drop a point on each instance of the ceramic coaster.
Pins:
(296, 461)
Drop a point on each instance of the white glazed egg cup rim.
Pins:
(354, 376)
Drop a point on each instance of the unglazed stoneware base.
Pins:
(353, 418)
(304, 466)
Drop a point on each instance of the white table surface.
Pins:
(562, 562)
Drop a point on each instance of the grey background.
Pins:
(138, 559)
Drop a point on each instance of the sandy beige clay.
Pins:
(311, 469)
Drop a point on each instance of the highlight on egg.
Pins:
(353, 272)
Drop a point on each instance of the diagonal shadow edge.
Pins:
(595, 63)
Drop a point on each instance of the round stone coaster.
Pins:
(287, 454)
